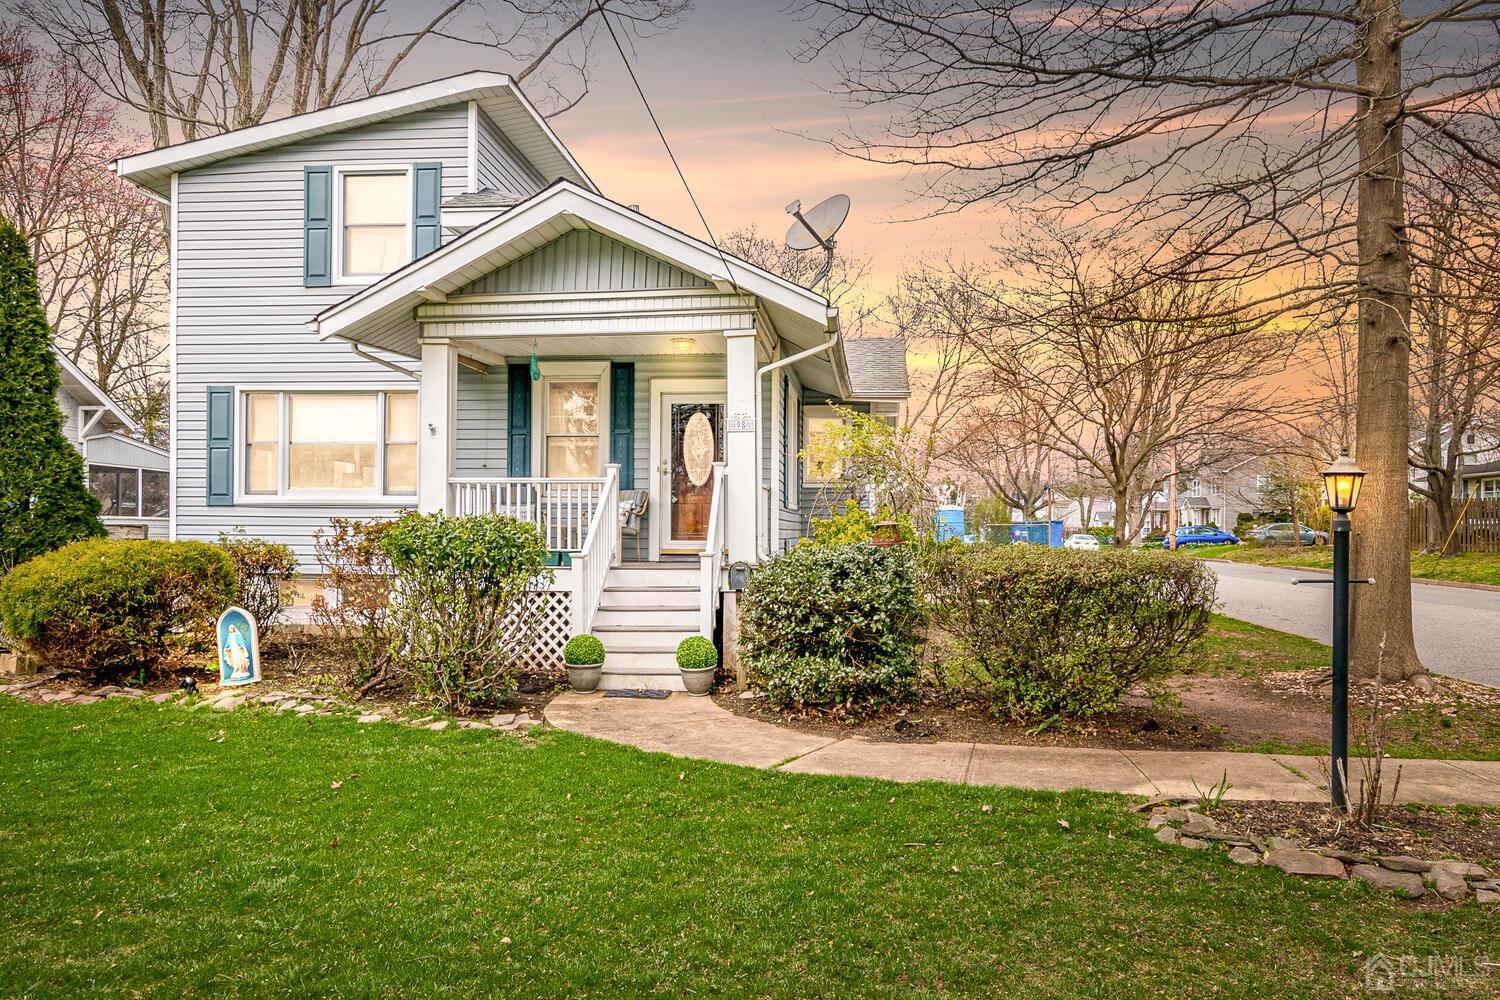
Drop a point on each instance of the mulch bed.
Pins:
(1467, 833)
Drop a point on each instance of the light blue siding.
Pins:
(500, 166)
(584, 261)
(242, 308)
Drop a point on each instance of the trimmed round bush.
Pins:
(583, 651)
(1050, 631)
(697, 653)
(117, 606)
(836, 628)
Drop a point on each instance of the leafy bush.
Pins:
(117, 607)
(583, 651)
(1106, 535)
(466, 604)
(262, 570)
(856, 524)
(1049, 631)
(357, 573)
(833, 627)
(697, 653)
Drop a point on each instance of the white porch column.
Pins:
(436, 394)
(740, 439)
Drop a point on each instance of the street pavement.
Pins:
(1457, 629)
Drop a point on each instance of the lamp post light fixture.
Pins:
(1341, 485)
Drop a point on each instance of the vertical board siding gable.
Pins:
(584, 261)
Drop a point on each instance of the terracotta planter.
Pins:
(698, 681)
(887, 534)
(584, 678)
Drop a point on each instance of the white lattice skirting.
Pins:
(552, 634)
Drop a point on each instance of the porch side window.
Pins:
(118, 490)
(331, 442)
(821, 422)
(572, 446)
(376, 209)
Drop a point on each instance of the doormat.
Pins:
(636, 693)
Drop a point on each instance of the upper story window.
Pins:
(331, 443)
(375, 215)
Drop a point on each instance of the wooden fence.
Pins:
(1478, 526)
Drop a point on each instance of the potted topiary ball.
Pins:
(584, 658)
(697, 659)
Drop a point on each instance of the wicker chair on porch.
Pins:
(632, 515)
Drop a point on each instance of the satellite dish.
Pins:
(819, 225)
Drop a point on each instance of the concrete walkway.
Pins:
(695, 727)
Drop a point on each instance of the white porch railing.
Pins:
(601, 550)
(711, 562)
(562, 508)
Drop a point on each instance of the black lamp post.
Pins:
(1341, 484)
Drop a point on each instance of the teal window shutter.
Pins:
(786, 439)
(622, 420)
(518, 436)
(426, 209)
(220, 472)
(317, 227)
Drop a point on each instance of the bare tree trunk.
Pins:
(1122, 518)
(1296, 524)
(1382, 610)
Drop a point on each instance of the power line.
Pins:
(728, 271)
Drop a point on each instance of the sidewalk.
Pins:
(695, 727)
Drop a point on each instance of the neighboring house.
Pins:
(420, 299)
(129, 477)
(1478, 468)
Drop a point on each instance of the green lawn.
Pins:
(1471, 567)
(148, 851)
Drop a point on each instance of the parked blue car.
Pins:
(1202, 534)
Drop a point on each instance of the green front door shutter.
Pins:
(220, 472)
(426, 210)
(622, 420)
(518, 436)
(317, 227)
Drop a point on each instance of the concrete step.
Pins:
(618, 680)
(639, 661)
(646, 617)
(642, 638)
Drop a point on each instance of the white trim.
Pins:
(568, 371)
(452, 266)
(340, 171)
(172, 477)
(285, 495)
(661, 519)
(145, 168)
(473, 148)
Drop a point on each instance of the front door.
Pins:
(694, 431)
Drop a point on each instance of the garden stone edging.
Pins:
(304, 704)
(1401, 874)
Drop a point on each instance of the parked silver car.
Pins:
(1280, 533)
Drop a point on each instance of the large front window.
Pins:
(331, 442)
(376, 210)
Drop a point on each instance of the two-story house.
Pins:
(421, 300)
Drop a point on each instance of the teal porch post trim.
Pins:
(622, 420)
(220, 471)
(426, 208)
(317, 227)
(518, 436)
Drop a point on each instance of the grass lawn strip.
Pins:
(1468, 567)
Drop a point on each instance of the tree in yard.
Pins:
(1261, 140)
(1006, 450)
(195, 70)
(1289, 485)
(44, 503)
(1455, 334)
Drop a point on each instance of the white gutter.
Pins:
(357, 349)
(760, 373)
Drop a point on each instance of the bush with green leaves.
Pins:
(262, 571)
(117, 607)
(353, 614)
(1050, 631)
(836, 628)
(697, 653)
(855, 524)
(466, 603)
(583, 650)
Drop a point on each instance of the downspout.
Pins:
(760, 373)
(381, 361)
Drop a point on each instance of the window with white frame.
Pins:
(820, 422)
(573, 438)
(126, 492)
(1489, 489)
(375, 212)
(345, 443)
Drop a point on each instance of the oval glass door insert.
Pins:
(698, 448)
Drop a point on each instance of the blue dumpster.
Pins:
(1049, 533)
(948, 522)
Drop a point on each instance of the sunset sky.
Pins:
(730, 95)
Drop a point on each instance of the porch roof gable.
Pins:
(381, 315)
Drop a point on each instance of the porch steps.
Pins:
(645, 611)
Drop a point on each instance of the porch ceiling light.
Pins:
(683, 345)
